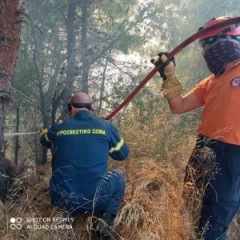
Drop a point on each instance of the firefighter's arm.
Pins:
(118, 149)
(181, 104)
(172, 91)
(44, 140)
(48, 136)
(172, 88)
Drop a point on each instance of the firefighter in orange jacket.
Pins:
(219, 130)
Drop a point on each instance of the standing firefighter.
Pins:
(80, 182)
(219, 130)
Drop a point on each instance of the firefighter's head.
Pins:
(79, 101)
(220, 46)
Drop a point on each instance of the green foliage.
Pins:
(120, 37)
(112, 51)
(110, 13)
(24, 77)
(128, 42)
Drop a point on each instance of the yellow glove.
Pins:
(42, 131)
(171, 87)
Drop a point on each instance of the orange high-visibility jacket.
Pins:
(220, 97)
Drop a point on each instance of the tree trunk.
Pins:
(10, 19)
(102, 86)
(71, 42)
(17, 137)
(85, 5)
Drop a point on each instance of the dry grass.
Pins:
(153, 207)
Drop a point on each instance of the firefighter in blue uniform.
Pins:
(80, 181)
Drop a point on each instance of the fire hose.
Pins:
(171, 54)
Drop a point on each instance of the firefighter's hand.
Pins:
(42, 131)
(171, 87)
(164, 62)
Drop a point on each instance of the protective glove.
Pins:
(171, 87)
(42, 131)
(158, 61)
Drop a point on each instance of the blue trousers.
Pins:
(221, 198)
(110, 192)
(108, 196)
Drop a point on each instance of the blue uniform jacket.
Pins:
(82, 147)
